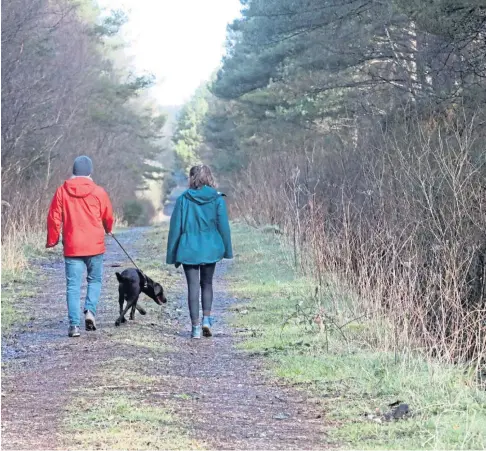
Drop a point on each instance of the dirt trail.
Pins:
(227, 403)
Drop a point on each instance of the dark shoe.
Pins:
(207, 322)
(89, 321)
(73, 331)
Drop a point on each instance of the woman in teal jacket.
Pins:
(199, 237)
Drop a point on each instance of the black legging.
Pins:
(193, 283)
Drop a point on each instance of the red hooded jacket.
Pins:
(84, 211)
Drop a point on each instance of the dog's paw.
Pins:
(124, 320)
(141, 311)
(117, 322)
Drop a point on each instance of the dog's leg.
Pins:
(130, 304)
(121, 300)
(132, 312)
(141, 310)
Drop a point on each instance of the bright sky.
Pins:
(180, 41)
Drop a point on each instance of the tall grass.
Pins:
(17, 247)
(400, 221)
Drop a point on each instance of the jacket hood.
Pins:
(79, 186)
(201, 196)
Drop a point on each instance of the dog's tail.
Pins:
(119, 277)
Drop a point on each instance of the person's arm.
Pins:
(54, 220)
(224, 227)
(175, 231)
(107, 213)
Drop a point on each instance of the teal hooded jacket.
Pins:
(199, 228)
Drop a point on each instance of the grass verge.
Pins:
(355, 381)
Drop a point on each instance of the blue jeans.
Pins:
(74, 274)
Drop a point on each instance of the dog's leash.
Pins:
(126, 253)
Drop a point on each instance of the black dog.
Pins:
(132, 283)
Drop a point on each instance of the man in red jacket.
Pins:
(83, 210)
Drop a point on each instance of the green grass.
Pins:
(15, 296)
(116, 413)
(340, 364)
(10, 315)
